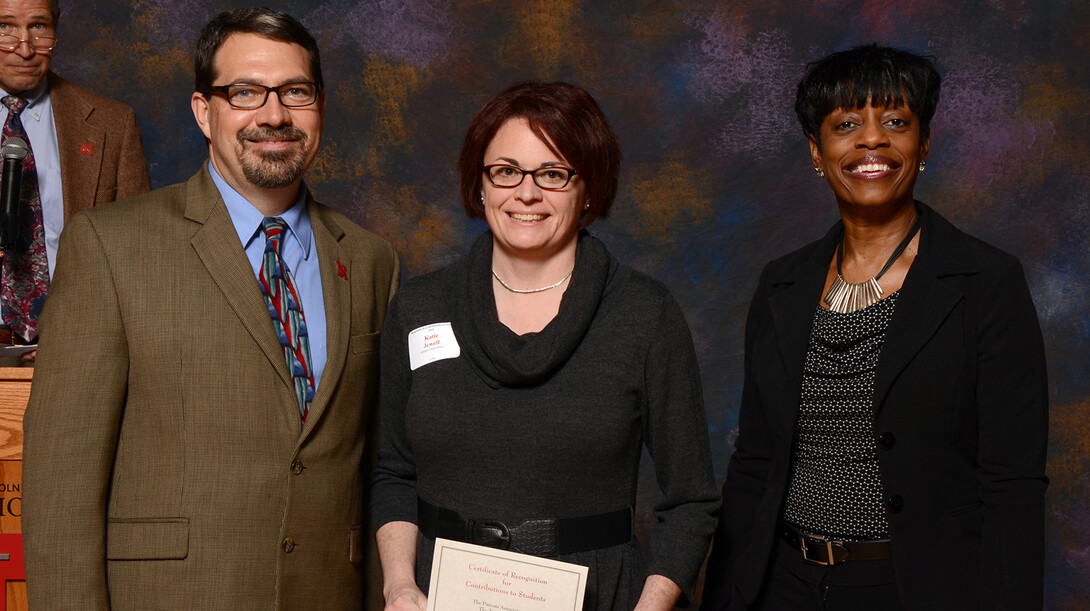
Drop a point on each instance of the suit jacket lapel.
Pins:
(216, 243)
(337, 295)
(793, 309)
(81, 145)
(925, 300)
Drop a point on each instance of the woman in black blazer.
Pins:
(893, 424)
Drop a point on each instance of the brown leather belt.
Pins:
(827, 551)
(547, 537)
(11, 338)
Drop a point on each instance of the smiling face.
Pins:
(528, 221)
(871, 155)
(22, 69)
(268, 147)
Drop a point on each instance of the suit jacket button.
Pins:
(297, 466)
(287, 545)
(895, 504)
(886, 441)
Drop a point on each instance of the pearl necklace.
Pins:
(845, 297)
(525, 291)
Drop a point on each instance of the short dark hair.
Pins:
(561, 112)
(867, 74)
(256, 20)
(55, 10)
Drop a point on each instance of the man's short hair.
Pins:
(256, 20)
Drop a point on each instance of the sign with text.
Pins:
(478, 578)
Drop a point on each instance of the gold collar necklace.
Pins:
(844, 297)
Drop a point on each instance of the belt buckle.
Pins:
(829, 544)
(490, 533)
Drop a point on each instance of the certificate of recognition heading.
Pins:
(478, 578)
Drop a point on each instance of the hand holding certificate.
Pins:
(477, 578)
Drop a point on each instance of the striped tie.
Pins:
(286, 310)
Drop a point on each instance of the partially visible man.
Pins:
(84, 150)
(202, 402)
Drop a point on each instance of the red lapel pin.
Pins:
(342, 271)
(86, 148)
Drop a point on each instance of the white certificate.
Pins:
(16, 350)
(476, 578)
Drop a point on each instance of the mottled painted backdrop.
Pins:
(716, 179)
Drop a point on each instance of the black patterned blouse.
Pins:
(835, 488)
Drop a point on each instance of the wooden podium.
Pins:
(14, 393)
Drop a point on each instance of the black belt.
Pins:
(826, 551)
(547, 537)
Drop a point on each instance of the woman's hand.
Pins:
(659, 594)
(406, 597)
(397, 551)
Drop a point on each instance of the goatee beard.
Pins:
(273, 169)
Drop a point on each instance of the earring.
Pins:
(586, 206)
(820, 172)
(923, 165)
(482, 198)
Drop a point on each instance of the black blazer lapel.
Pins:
(925, 301)
(795, 293)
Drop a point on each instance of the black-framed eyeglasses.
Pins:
(550, 178)
(249, 96)
(42, 44)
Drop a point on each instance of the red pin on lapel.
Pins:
(342, 271)
(86, 148)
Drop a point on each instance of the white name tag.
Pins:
(432, 343)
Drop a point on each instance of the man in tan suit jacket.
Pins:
(167, 461)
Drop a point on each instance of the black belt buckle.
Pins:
(830, 546)
(490, 533)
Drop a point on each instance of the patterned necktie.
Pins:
(282, 297)
(25, 276)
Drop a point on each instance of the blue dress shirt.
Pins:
(298, 252)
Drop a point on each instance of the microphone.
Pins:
(14, 151)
